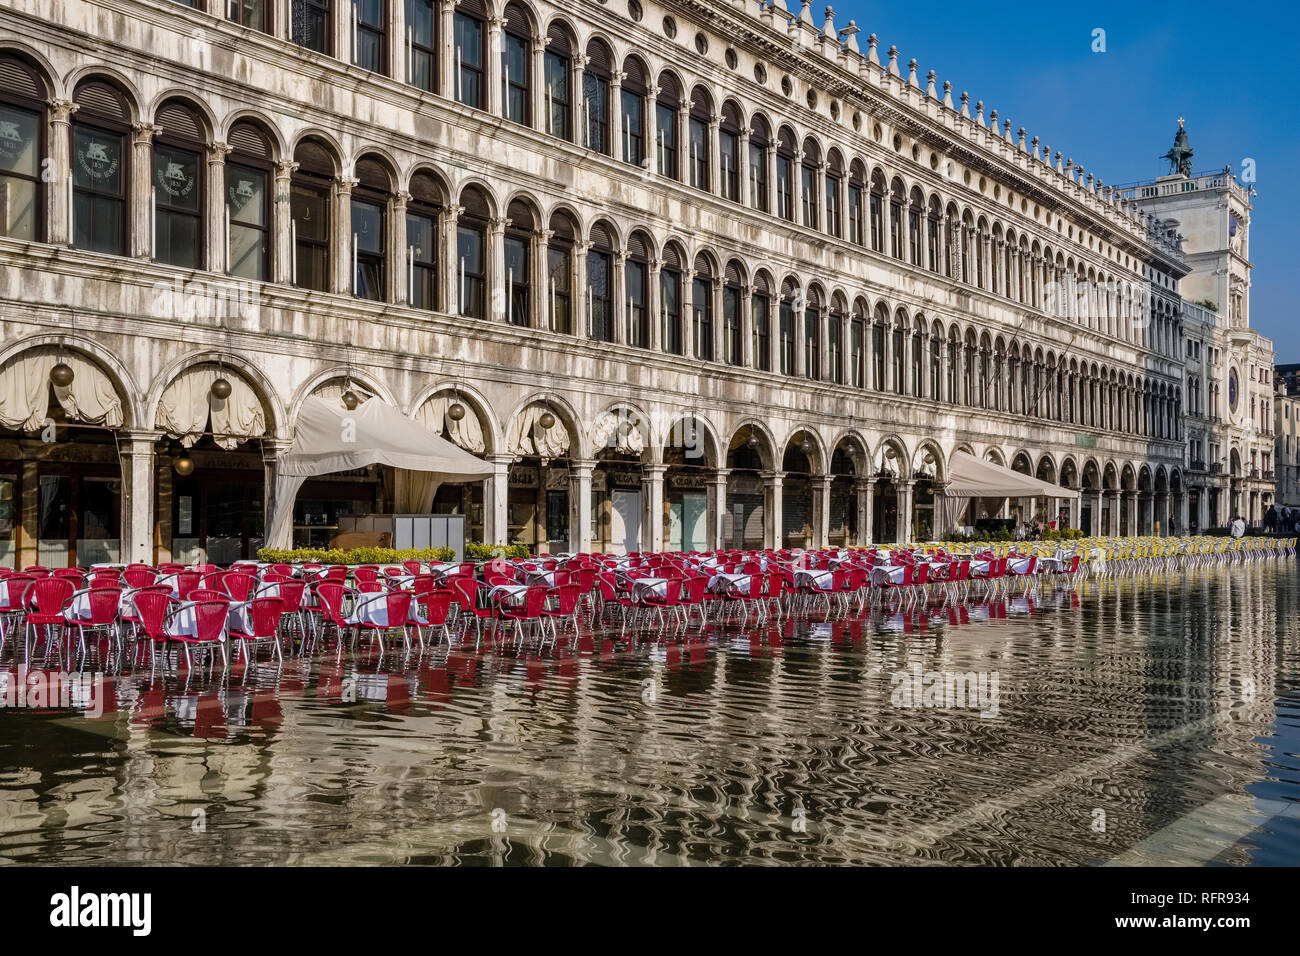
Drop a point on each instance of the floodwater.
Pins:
(1152, 720)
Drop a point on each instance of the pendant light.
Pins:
(62, 375)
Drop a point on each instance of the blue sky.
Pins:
(1229, 70)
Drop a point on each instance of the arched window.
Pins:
(789, 293)
(595, 98)
(785, 159)
(808, 187)
(698, 138)
(471, 254)
(309, 202)
(423, 212)
(915, 213)
(370, 35)
(633, 97)
(636, 280)
(896, 194)
(559, 274)
(370, 230)
(760, 309)
(559, 96)
(670, 301)
(932, 232)
(834, 177)
(516, 66)
(733, 351)
(835, 340)
(879, 330)
(310, 23)
(422, 44)
(100, 169)
(729, 152)
(518, 258)
(877, 211)
(857, 212)
(23, 121)
(469, 50)
(667, 105)
(812, 338)
(758, 143)
(600, 285)
(702, 308)
(248, 201)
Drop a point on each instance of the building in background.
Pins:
(1286, 425)
(688, 274)
(1229, 365)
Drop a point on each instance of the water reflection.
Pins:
(1123, 710)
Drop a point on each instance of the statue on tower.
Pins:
(1180, 155)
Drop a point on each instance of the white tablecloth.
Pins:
(1019, 565)
(507, 593)
(881, 576)
(722, 583)
(821, 580)
(375, 613)
(541, 577)
(649, 586)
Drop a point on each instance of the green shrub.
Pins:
(353, 555)
(485, 552)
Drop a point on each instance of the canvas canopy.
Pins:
(330, 439)
(969, 477)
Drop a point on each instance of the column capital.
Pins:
(581, 467)
(285, 168)
(142, 134)
(217, 153)
(345, 184)
(401, 197)
(454, 212)
(499, 223)
(653, 470)
(61, 109)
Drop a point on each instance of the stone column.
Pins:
(654, 304)
(717, 505)
(822, 510)
(688, 313)
(769, 161)
(772, 527)
(496, 256)
(715, 155)
(399, 287)
(904, 510)
(580, 505)
(796, 329)
(139, 195)
(397, 65)
(578, 298)
(652, 499)
(449, 261)
(864, 489)
(492, 72)
(742, 168)
(137, 523)
(343, 277)
(619, 313)
(343, 40)
(1132, 504)
(537, 83)
(650, 162)
(29, 537)
(446, 51)
(747, 358)
(715, 290)
(824, 370)
(272, 450)
(58, 224)
(496, 490)
(540, 298)
(216, 227)
(616, 150)
(282, 250)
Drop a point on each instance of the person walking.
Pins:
(1238, 526)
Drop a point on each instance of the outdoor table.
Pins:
(1019, 565)
(818, 580)
(979, 566)
(507, 593)
(643, 587)
(1051, 565)
(443, 568)
(722, 583)
(374, 612)
(183, 623)
(539, 576)
(889, 574)
(267, 590)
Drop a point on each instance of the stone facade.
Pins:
(764, 283)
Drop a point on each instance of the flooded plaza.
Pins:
(1138, 720)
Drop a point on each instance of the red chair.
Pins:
(44, 603)
(367, 574)
(37, 571)
(208, 594)
(434, 606)
(467, 594)
(263, 618)
(397, 611)
(149, 620)
(562, 602)
(186, 582)
(291, 593)
(530, 610)
(330, 597)
(138, 576)
(13, 593)
(104, 578)
(103, 604)
(412, 567)
(75, 575)
(209, 624)
(238, 586)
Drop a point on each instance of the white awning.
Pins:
(969, 477)
(329, 438)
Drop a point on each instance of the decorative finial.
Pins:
(871, 50)
(893, 62)
(979, 112)
(930, 91)
(911, 74)
(851, 37)
(947, 94)
(965, 104)
(828, 28)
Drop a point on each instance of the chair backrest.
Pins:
(74, 575)
(566, 598)
(466, 591)
(239, 586)
(138, 576)
(264, 615)
(213, 580)
(399, 607)
(37, 571)
(285, 569)
(48, 595)
(103, 606)
(206, 594)
(412, 567)
(366, 574)
(291, 595)
(210, 618)
(436, 605)
(330, 594)
(922, 574)
(337, 572)
(104, 579)
(424, 583)
(775, 582)
(16, 585)
(186, 583)
(151, 608)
